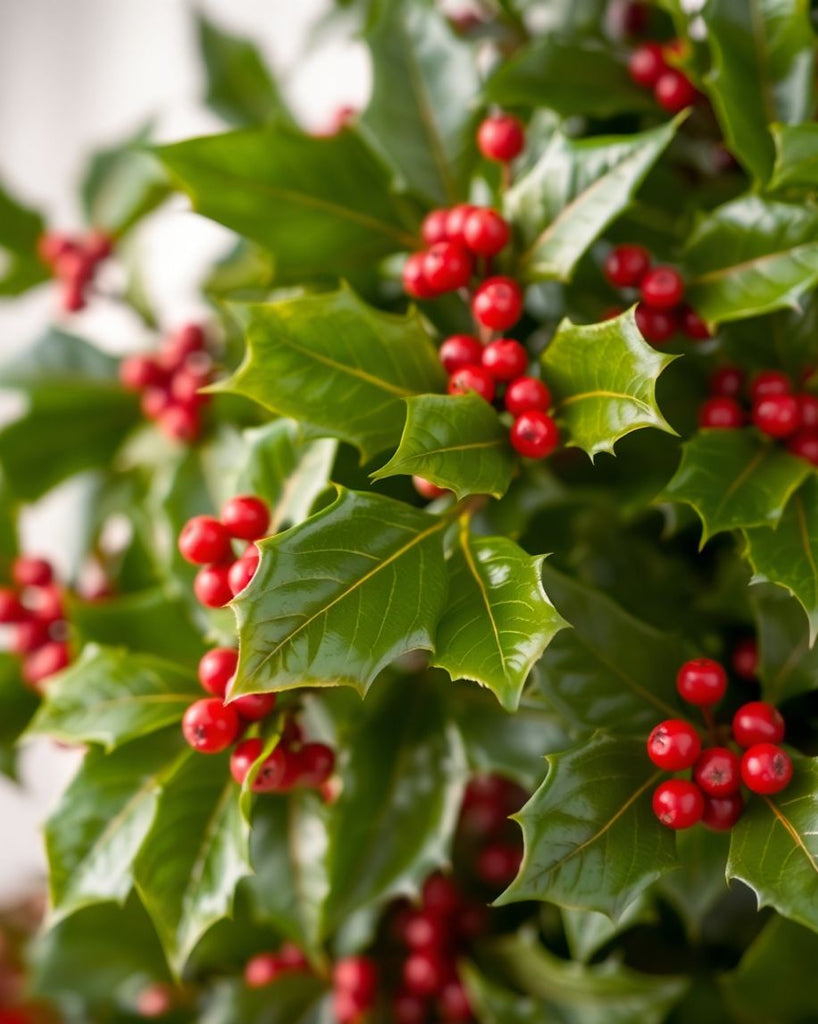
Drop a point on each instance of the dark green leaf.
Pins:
(20, 228)
(695, 888)
(787, 665)
(587, 931)
(17, 704)
(295, 998)
(456, 442)
(796, 157)
(603, 381)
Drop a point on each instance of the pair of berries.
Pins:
(73, 262)
(503, 363)
(494, 843)
(713, 795)
(661, 311)
(290, 764)
(263, 969)
(649, 68)
(33, 606)
(208, 542)
(169, 382)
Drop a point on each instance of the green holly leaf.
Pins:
(197, 851)
(102, 820)
(762, 71)
(499, 619)
(796, 158)
(321, 206)
(591, 839)
(367, 569)
(240, 87)
(574, 191)
(749, 257)
(20, 229)
(774, 846)
(294, 998)
(610, 671)
(17, 705)
(787, 664)
(455, 441)
(110, 696)
(588, 931)
(335, 362)
(787, 554)
(734, 479)
(570, 77)
(425, 81)
(696, 887)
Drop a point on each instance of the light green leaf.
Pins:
(294, 998)
(18, 703)
(787, 664)
(796, 157)
(20, 229)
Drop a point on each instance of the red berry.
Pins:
(692, 324)
(246, 517)
(721, 414)
(744, 659)
(72, 297)
(447, 266)
(498, 303)
(626, 265)
(425, 930)
(212, 586)
(769, 383)
(433, 228)
(702, 682)
(154, 401)
(98, 246)
(721, 813)
(183, 342)
(662, 288)
(440, 895)
(48, 659)
(425, 973)
(656, 325)
(74, 268)
(807, 411)
(498, 863)
(611, 313)
(717, 772)
(647, 64)
(527, 394)
(46, 603)
(53, 245)
(534, 434)
(804, 444)
(210, 726)
(727, 381)
(28, 635)
(262, 970)
(139, 372)
(426, 489)
(472, 378)
(674, 91)
(501, 137)
(408, 1009)
(10, 608)
(204, 540)
(357, 975)
(185, 387)
(180, 422)
(766, 768)
(674, 745)
(456, 222)
(460, 350)
(776, 416)
(453, 1003)
(485, 232)
(244, 756)
(252, 707)
(273, 774)
(240, 573)
(758, 722)
(316, 762)
(217, 668)
(31, 572)
(154, 1001)
(678, 803)
(505, 359)
(414, 277)
(292, 958)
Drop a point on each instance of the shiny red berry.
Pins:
(181, 343)
(11, 610)
(456, 222)
(534, 434)
(647, 64)
(453, 1003)
(692, 324)
(53, 245)
(505, 359)
(498, 303)
(744, 658)
(769, 383)
(657, 325)
(702, 682)
(152, 1002)
(485, 232)
(766, 768)
(425, 973)
(433, 229)
(154, 401)
(758, 722)
(721, 813)
(414, 277)
(274, 774)
(252, 707)
(139, 372)
(217, 668)
(212, 586)
(262, 970)
(626, 266)
(804, 444)
(357, 975)
(447, 266)
(292, 958)
(527, 394)
(244, 756)
(316, 762)
(674, 91)
(408, 1009)
(28, 635)
(501, 137)
(776, 416)
(204, 540)
(717, 772)
(460, 350)
(48, 659)
(727, 382)
(426, 489)
(807, 411)
(440, 894)
(31, 572)
(210, 726)
(240, 573)
(674, 745)
(425, 930)
(472, 378)
(662, 288)
(721, 414)
(678, 803)
(498, 863)
(246, 517)
(180, 422)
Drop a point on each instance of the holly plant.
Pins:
(439, 628)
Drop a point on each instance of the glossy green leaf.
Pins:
(750, 257)
(603, 381)
(787, 554)
(110, 696)
(102, 820)
(422, 114)
(321, 206)
(295, 998)
(734, 479)
(195, 854)
(17, 704)
(337, 598)
(796, 157)
(494, 1003)
(787, 664)
(20, 228)
(591, 838)
(610, 671)
(456, 442)
(499, 619)
(337, 363)
(762, 70)
(588, 931)
(774, 846)
(574, 191)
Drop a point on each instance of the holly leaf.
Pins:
(609, 671)
(426, 81)
(734, 479)
(456, 442)
(574, 191)
(762, 71)
(321, 206)
(749, 257)
(787, 554)
(588, 931)
(499, 619)
(111, 695)
(696, 887)
(367, 569)
(294, 997)
(787, 664)
(591, 839)
(774, 846)
(17, 704)
(796, 158)
(602, 379)
(335, 362)
(20, 230)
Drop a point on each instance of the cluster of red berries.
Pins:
(169, 382)
(713, 794)
(649, 68)
(775, 409)
(661, 311)
(208, 542)
(263, 969)
(73, 262)
(487, 840)
(33, 606)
